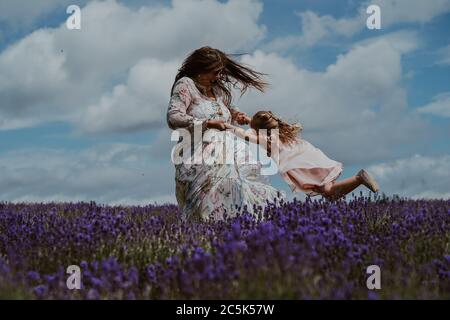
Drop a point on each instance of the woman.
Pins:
(201, 97)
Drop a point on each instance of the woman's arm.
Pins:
(179, 103)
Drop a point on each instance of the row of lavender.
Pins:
(300, 250)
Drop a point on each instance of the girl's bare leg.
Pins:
(341, 188)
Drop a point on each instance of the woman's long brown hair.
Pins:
(207, 59)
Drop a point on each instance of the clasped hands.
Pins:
(240, 117)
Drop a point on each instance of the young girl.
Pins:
(303, 166)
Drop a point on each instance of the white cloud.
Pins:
(315, 29)
(69, 74)
(113, 174)
(416, 177)
(320, 29)
(440, 106)
(32, 85)
(134, 105)
(410, 11)
(356, 110)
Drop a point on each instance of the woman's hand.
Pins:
(216, 124)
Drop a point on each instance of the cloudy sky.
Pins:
(82, 112)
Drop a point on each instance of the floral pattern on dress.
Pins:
(209, 190)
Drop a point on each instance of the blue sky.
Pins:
(82, 113)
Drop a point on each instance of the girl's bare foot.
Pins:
(367, 180)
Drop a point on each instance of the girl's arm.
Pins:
(247, 134)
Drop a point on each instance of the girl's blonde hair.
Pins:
(267, 120)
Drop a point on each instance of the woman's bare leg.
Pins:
(341, 188)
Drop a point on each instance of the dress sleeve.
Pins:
(177, 116)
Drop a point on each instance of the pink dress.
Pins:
(305, 167)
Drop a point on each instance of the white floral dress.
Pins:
(210, 189)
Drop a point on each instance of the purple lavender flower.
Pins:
(314, 249)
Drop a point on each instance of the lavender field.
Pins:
(314, 249)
